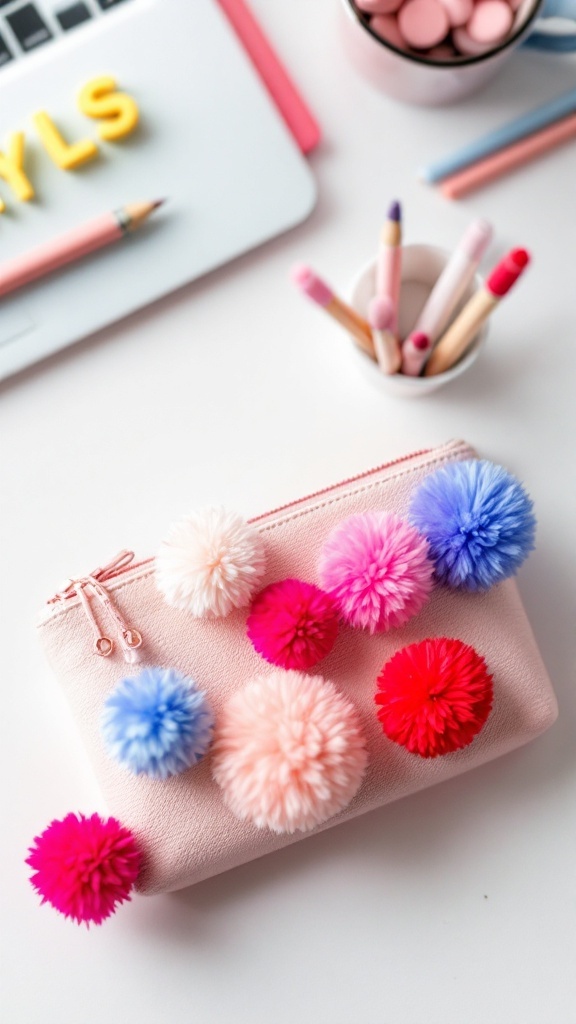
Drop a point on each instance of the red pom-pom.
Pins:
(84, 866)
(434, 696)
(293, 624)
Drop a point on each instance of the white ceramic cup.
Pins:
(415, 78)
(421, 268)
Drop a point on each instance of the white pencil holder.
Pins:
(421, 267)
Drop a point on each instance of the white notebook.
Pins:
(210, 140)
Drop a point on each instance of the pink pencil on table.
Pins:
(389, 262)
(294, 110)
(380, 316)
(320, 293)
(72, 246)
(505, 160)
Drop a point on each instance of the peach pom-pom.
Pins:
(376, 567)
(435, 696)
(293, 624)
(289, 752)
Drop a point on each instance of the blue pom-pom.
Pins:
(478, 521)
(157, 723)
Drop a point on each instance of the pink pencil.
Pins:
(415, 352)
(389, 262)
(81, 241)
(380, 316)
(294, 110)
(507, 159)
(321, 293)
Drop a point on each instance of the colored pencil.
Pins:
(321, 293)
(455, 278)
(72, 246)
(389, 262)
(463, 330)
(282, 89)
(534, 120)
(508, 159)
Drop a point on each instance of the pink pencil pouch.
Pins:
(185, 829)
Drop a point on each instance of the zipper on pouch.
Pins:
(124, 562)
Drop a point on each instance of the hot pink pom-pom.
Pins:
(434, 696)
(293, 624)
(289, 752)
(376, 567)
(84, 866)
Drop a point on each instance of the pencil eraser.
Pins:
(380, 313)
(423, 23)
(420, 341)
(313, 286)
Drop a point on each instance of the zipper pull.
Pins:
(129, 639)
(103, 645)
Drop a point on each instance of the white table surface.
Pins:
(457, 905)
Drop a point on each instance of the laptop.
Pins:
(209, 139)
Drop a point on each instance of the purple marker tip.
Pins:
(395, 211)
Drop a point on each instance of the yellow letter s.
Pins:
(100, 99)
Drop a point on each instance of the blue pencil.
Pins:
(511, 132)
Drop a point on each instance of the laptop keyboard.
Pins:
(25, 26)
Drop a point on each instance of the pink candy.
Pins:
(458, 11)
(441, 29)
(491, 21)
(385, 26)
(423, 23)
(379, 6)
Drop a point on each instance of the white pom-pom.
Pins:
(211, 562)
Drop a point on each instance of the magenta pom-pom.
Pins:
(84, 867)
(377, 568)
(293, 624)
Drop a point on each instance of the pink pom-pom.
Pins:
(434, 696)
(376, 567)
(289, 752)
(293, 624)
(84, 866)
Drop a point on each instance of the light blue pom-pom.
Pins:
(157, 723)
(478, 521)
